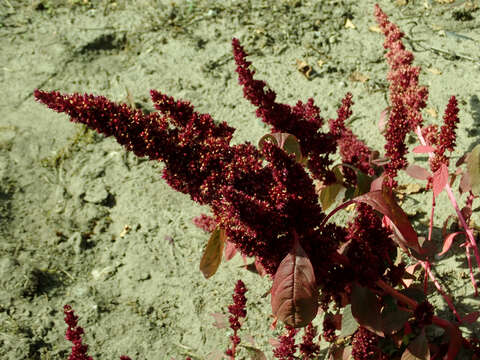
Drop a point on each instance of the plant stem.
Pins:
(428, 271)
(455, 342)
(468, 231)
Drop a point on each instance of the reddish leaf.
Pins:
(473, 169)
(260, 269)
(382, 123)
(294, 291)
(255, 354)
(393, 318)
(220, 320)
(417, 349)
(212, 256)
(418, 172)
(448, 241)
(421, 149)
(377, 184)
(471, 318)
(383, 202)
(440, 179)
(366, 309)
(465, 185)
(230, 250)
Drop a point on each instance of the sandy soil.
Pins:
(85, 223)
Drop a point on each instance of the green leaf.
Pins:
(417, 348)
(329, 194)
(473, 169)
(292, 146)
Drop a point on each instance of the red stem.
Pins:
(468, 231)
(455, 342)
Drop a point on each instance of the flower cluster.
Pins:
(308, 348)
(257, 205)
(302, 120)
(286, 348)
(74, 334)
(407, 98)
(237, 311)
(368, 246)
(446, 138)
(365, 346)
(352, 150)
(205, 222)
(423, 314)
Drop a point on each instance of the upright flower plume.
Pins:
(74, 334)
(407, 97)
(257, 205)
(237, 311)
(302, 120)
(352, 150)
(447, 137)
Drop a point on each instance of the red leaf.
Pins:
(383, 202)
(220, 320)
(254, 353)
(465, 184)
(421, 149)
(377, 184)
(417, 349)
(366, 309)
(418, 172)
(440, 179)
(447, 243)
(230, 250)
(260, 269)
(471, 318)
(294, 291)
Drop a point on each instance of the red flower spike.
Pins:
(237, 311)
(302, 120)
(308, 348)
(74, 334)
(287, 348)
(353, 151)
(447, 137)
(407, 98)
